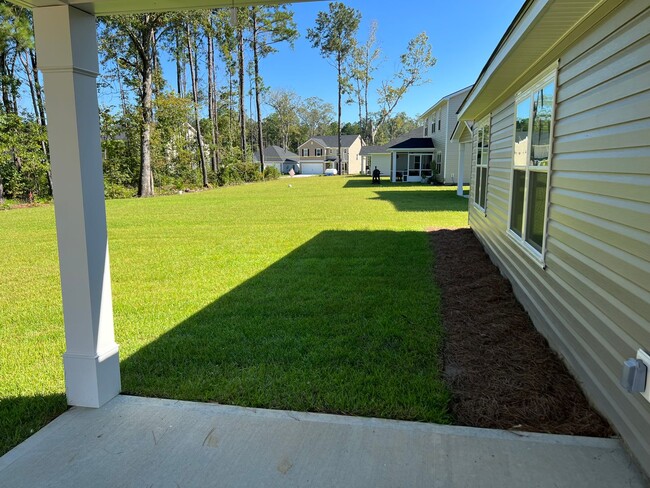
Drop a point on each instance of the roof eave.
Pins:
(499, 79)
(115, 7)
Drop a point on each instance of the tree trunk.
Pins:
(38, 88)
(30, 81)
(212, 106)
(146, 188)
(242, 104)
(339, 61)
(195, 95)
(6, 92)
(258, 103)
(180, 69)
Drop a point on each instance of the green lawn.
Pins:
(307, 294)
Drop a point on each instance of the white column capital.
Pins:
(67, 39)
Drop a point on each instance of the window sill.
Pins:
(479, 209)
(533, 253)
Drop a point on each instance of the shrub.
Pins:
(271, 173)
(250, 172)
(228, 175)
(115, 191)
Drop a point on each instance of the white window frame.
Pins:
(485, 162)
(318, 152)
(305, 152)
(550, 75)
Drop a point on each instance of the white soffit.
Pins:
(543, 29)
(110, 7)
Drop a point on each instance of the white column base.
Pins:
(92, 381)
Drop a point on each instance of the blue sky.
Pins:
(463, 34)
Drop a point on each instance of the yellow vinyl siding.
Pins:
(592, 299)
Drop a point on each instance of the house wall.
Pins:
(311, 145)
(592, 300)
(439, 137)
(383, 163)
(452, 148)
(354, 158)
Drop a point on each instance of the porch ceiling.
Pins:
(110, 7)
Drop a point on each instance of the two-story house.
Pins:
(439, 123)
(321, 153)
(427, 150)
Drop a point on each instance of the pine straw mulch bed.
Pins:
(500, 370)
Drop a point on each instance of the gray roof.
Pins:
(333, 141)
(415, 133)
(415, 143)
(365, 150)
(276, 154)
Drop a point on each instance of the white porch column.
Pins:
(393, 176)
(66, 43)
(461, 169)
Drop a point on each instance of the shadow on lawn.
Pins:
(347, 323)
(424, 200)
(20, 417)
(365, 182)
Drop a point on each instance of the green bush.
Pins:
(250, 172)
(271, 173)
(238, 173)
(228, 175)
(115, 191)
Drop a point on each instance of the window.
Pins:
(481, 159)
(439, 124)
(305, 152)
(531, 161)
(319, 151)
(438, 162)
(426, 130)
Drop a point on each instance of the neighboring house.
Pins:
(561, 187)
(439, 123)
(409, 157)
(277, 157)
(321, 153)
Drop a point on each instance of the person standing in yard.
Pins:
(376, 174)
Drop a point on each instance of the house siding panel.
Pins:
(592, 301)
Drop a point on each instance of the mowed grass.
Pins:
(308, 294)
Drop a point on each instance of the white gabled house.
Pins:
(440, 120)
(408, 157)
(560, 193)
(428, 150)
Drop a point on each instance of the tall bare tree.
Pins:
(334, 36)
(415, 64)
(191, 37)
(269, 26)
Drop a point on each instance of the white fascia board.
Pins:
(446, 98)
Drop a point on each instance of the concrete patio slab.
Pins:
(141, 442)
